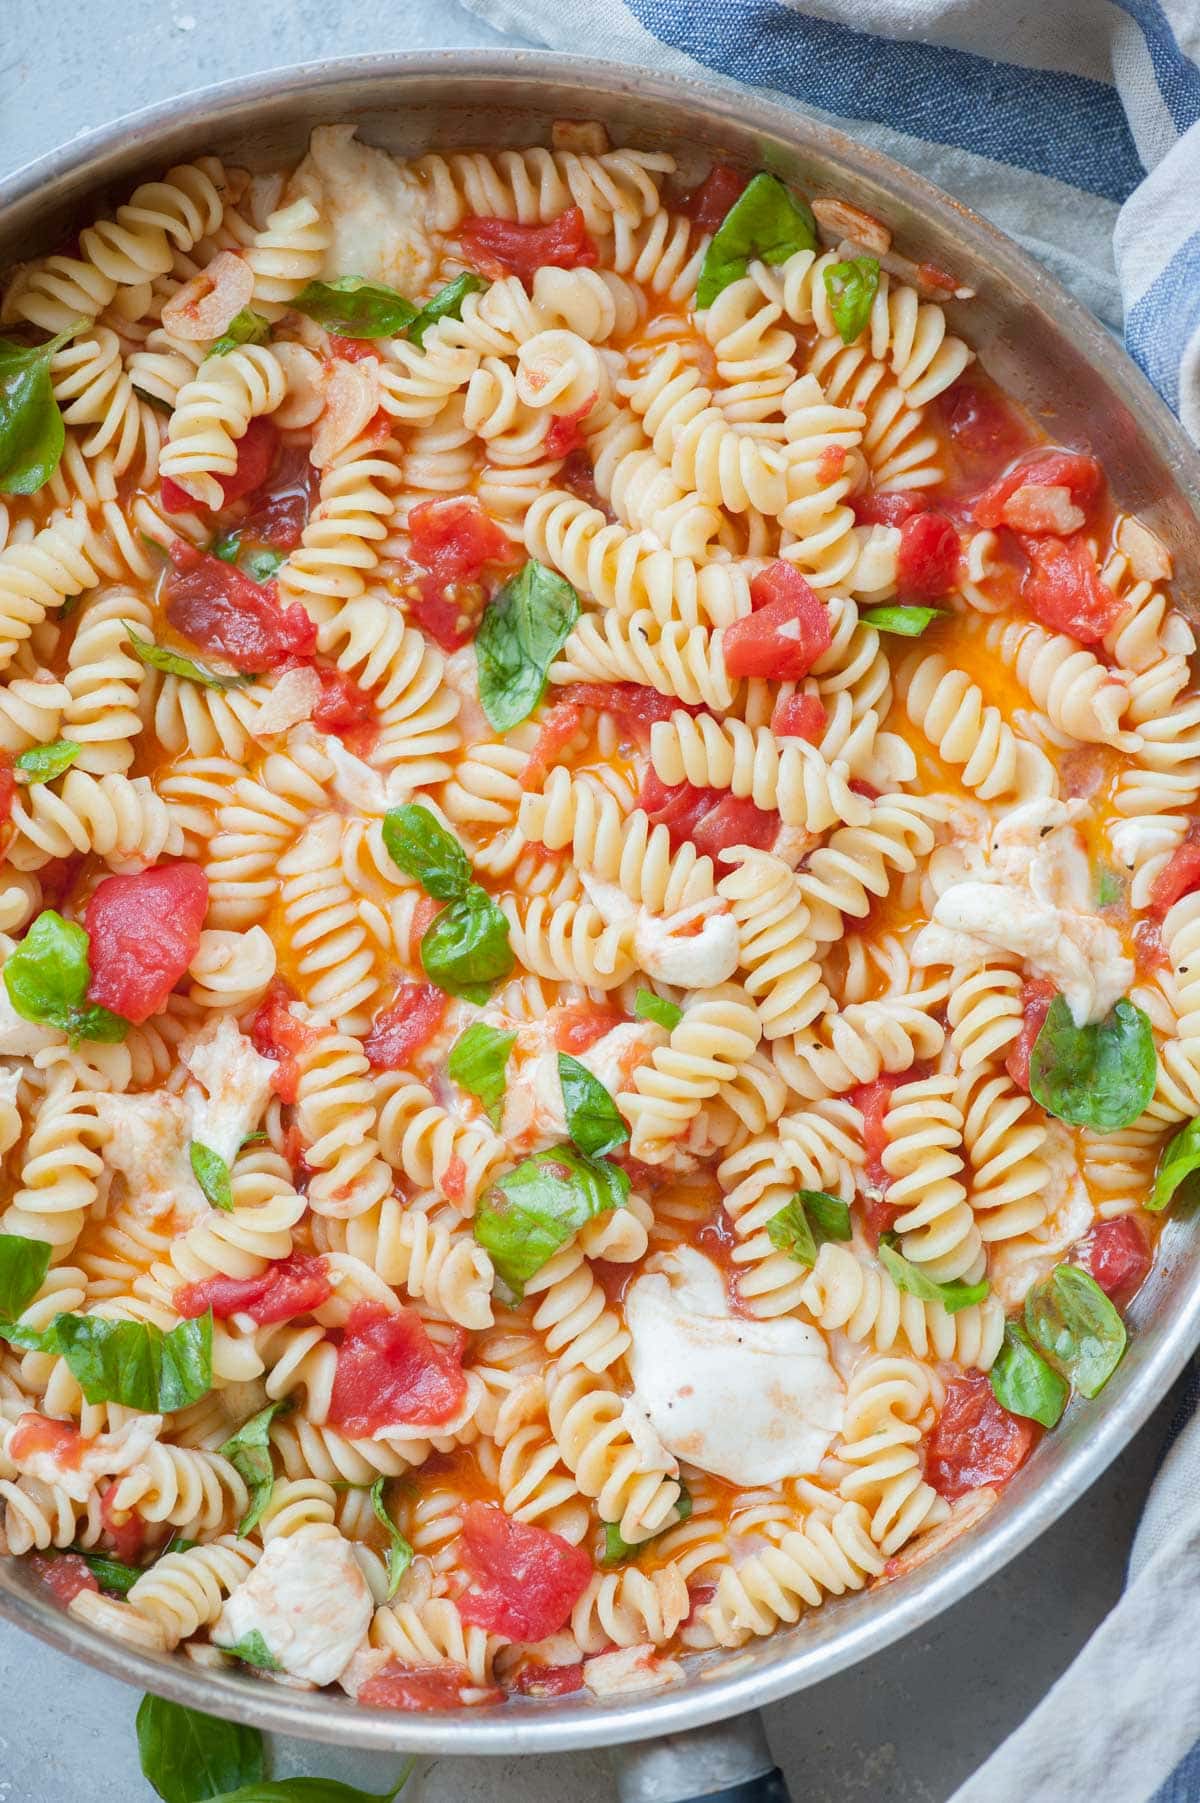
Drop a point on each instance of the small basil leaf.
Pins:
(525, 1217)
(909, 1277)
(651, 1007)
(1073, 1322)
(228, 547)
(478, 1062)
(212, 1174)
(1024, 1384)
(23, 1267)
(523, 629)
(766, 223)
(852, 287)
(593, 1118)
(249, 1452)
(261, 565)
(617, 1549)
(29, 1339)
(110, 1574)
(188, 1756)
(1099, 1076)
(246, 327)
(172, 663)
(313, 1790)
(42, 763)
(47, 975)
(1110, 889)
(137, 1364)
(466, 950)
(1180, 1159)
(447, 303)
(32, 433)
(178, 1543)
(806, 1222)
(400, 1553)
(253, 1650)
(906, 622)
(355, 308)
(420, 846)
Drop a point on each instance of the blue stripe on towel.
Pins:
(1055, 124)
(1177, 76)
(1160, 326)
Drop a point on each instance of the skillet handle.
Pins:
(729, 1762)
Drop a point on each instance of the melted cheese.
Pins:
(148, 1139)
(533, 1104)
(238, 1084)
(373, 208)
(308, 1599)
(107, 1455)
(750, 1401)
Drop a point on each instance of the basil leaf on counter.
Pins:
(1099, 1076)
(47, 976)
(137, 1364)
(212, 1174)
(909, 1277)
(1180, 1159)
(173, 663)
(907, 622)
(420, 846)
(806, 1222)
(478, 1062)
(32, 434)
(400, 1553)
(352, 307)
(1073, 1322)
(593, 1119)
(23, 1267)
(42, 763)
(447, 303)
(252, 1649)
(617, 1549)
(249, 1452)
(466, 950)
(1024, 1384)
(852, 287)
(766, 223)
(531, 1211)
(188, 1757)
(246, 327)
(655, 1008)
(523, 629)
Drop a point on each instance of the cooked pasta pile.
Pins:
(598, 918)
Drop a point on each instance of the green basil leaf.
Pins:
(531, 1211)
(228, 547)
(188, 1756)
(249, 1452)
(355, 308)
(313, 1790)
(617, 1549)
(806, 1222)
(447, 303)
(262, 564)
(172, 663)
(23, 1267)
(466, 950)
(1073, 1322)
(47, 975)
(212, 1174)
(1099, 1076)
(852, 288)
(253, 1650)
(478, 1062)
(400, 1553)
(420, 846)
(137, 1364)
(523, 629)
(42, 763)
(593, 1118)
(178, 1543)
(29, 1339)
(246, 327)
(907, 1276)
(32, 433)
(766, 223)
(906, 622)
(1180, 1159)
(1024, 1384)
(110, 1574)
(1110, 888)
(648, 1006)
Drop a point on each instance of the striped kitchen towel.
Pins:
(1073, 124)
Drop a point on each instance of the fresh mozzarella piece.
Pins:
(237, 1082)
(308, 1599)
(148, 1140)
(750, 1401)
(373, 208)
(671, 950)
(616, 1055)
(21, 1038)
(1080, 954)
(629, 1670)
(363, 789)
(461, 675)
(533, 1102)
(1015, 1265)
(107, 1455)
(290, 700)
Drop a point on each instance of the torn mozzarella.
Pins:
(363, 789)
(107, 1455)
(309, 1601)
(148, 1141)
(750, 1401)
(460, 674)
(631, 1669)
(533, 1102)
(1079, 953)
(290, 700)
(236, 1081)
(20, 1038)
(1015, 1265)
(373, 207)
(668, 948)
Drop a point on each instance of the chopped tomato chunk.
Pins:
(558, 727)
(1036, 996)
(408, 1023)
(873, 1101)
(343, 708)
(632, 702)
(290, 1286)
(279, 513)
(8, 787)
(563, 435)
(276, 1033)
(788, 631)
(389, 1373)
(216, 606)
(578, 1025)
(524, 1581)
(1180, 876)
(124, 1529)
(549, 1680)
(708, 204)
(143, 931)
(975, 1441)
(45, 1433)
(711, 818)
(499, 247)
(453, 540)
(800, 717)
(831, 463)
(1119, 1257)
(928, 558)
(578, 477)
(353, 350)
(424, 1688)
(256, 454)
(1062, 588)
(879, 1216)
(981, 422)
(1149, 952)
(65, 1574)
(1080, 475)
(879, 507)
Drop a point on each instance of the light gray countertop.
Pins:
(907, 1726)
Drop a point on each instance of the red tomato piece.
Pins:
(214, 605)
(632, 702)
(1081, 475)
(390, 1372)
(879, 1216)
(454, 1178)
(549, 1680)
(831, 463)
(407, 1024)
(787, 632)
(524, 1581)
(1062, 588)
(45, 1433)
(343, 708)
(1179, 877)
(557, 730)
(353, 350)
(700, 1596)
(879, 507)
(928, 557)
(65, 1575)
(499, 247)
(578, 1025)
(1119, 1257)
(579, 478)
(1036, 996)
(563, 435)
(975, 1441)
(708, 204)
(424, 1688)
(1149, 952)
(873, 1101)
(256, 455)
(279, 514)
(735, 821)
(8, 787)
(800, 717)
(290, 1286)
(124, 1528)
(454, 539)
(143, 931)
(276, 1033)
(980, 421)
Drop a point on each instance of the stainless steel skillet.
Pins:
(1049, 351)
